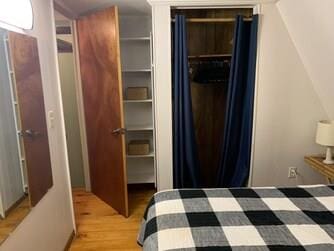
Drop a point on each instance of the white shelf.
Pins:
(134, 128)
(133, 39)
(140, 170)
(138, 101)
(136, 70)
(139, 113)
(141, 179)
(150, 155)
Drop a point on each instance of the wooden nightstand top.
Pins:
(316, 163)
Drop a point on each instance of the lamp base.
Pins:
(328, 160)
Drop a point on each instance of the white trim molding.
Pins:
(256, 10)
(163, 99)
(161, 18)
(209, 3)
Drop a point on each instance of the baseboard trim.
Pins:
(69, 241)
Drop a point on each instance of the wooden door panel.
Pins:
(99, 53)
(28, 82)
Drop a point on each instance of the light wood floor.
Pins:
(99, 226)
(14, 218)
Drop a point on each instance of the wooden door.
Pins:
(99, 53)
(28, 82)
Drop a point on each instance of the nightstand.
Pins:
(324, 169)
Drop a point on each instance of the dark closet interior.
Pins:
(210, 45)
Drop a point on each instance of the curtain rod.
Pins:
(219, 7)
(209, 56)
(213, 20)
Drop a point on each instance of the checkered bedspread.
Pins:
(257, 219)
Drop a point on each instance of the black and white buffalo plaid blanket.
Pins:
(258, 219)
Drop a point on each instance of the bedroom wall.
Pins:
(67, 79)
(310, 24)
(50, 223)
(288, 108)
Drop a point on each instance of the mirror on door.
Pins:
(25, 166)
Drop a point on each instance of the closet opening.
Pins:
(108, 103)
(208, 45)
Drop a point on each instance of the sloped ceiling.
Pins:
(311, 27)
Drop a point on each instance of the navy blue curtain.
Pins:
(185, 166)
(233, 170)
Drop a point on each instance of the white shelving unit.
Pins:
(17, 119)
(136, 57)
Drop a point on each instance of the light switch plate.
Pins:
(51, 118)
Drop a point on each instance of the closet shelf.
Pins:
(136, 128)
(142, 178)
(150, 155)
(135, 39)
(138, 101)
(136, 70)
(210, 56)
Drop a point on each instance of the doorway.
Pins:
(213, 91)
(88, 134)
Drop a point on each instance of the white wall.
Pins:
(287, 108)
(50, 222)
(310, 24)
(67, 79)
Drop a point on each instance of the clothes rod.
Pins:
(209, 56)
(213, 20)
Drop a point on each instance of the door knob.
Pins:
(31, 133)
(118, 131)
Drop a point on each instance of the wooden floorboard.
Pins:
(100, 227)
(14, 218)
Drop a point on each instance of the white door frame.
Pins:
(161, 18)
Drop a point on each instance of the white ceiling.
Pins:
(126, 7)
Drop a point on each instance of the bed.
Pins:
(261, 219)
